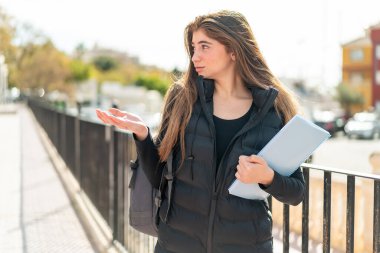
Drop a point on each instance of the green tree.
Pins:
(111, 75)
(105, 63)
(153, 83)
(79, 70)
(177, 74)
(80, 49)
(43, 66)
(347, 97)
(28, 40)
(7, 35)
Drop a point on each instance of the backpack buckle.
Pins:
(134, 164)
(169, 177)
(157, 201)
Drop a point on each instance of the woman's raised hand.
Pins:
(124, 120)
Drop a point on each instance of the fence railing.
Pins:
(98, 156)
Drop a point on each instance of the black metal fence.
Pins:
(350, 209)
(99, 156)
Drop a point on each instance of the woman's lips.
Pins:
(199, 68)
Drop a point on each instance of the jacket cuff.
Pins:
(144, 143)
(274, 186)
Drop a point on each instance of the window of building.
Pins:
(356, 78)
(356, 54)
(378, 77)
(378, 51)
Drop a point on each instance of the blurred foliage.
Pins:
(111, 76)
(176, 73)
(347, 97)
(130, 73)
(43, 66)
(153, 82)
(7, 33)
(105, 63)
(80, 71)
(79, 51)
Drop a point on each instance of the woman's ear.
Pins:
(233, 56)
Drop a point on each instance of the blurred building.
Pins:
(361, 68)
(97, 51)
(375, 39)
(312, 99)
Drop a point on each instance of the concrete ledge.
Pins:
(97, 230)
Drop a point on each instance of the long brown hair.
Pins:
(232, 30)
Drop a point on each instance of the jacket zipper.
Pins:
(213, 200)
(214, 193)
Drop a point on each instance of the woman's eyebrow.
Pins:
(202, 42)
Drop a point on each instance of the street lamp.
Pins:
(79, 102)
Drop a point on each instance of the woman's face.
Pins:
(210, 58)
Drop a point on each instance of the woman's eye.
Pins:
(202, 47)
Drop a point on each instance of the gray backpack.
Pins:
(145, 200)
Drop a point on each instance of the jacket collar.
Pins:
(206, 89)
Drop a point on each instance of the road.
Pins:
(351, 154)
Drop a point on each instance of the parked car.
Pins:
(329, 121)
(363, 125)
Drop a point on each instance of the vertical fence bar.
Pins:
(63, 136)
(270, 202)
(55, 128)
(131, 155)
(285, 226)
(326, 211)
(60, 132)
(112, 203)
(376, 217)
(350, 219)
(120, 186)
(305, 213)
(70, 144)
(78, 171)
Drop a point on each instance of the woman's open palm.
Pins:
(124, 120)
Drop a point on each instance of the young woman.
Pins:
(223, 111)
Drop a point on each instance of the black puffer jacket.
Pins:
(203, 216)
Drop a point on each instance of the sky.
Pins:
(298, 38)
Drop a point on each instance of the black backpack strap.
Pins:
(134, 165)
(169, 176)
(158, 197)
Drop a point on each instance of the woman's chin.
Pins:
(204, 75)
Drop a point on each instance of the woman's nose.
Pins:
(195, 57)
